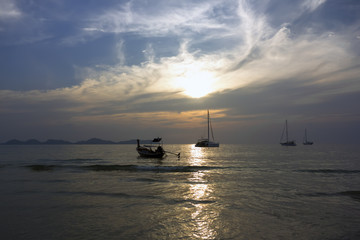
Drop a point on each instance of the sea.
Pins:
(231, 192)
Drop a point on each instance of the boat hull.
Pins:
(206, 144)
(149, 153)
(290, 143)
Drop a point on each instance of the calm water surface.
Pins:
(231, 192)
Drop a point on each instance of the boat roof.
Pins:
(158, 139)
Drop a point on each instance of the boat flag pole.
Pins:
(177, 154)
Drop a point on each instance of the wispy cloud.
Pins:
(263, 55)
(232, 50)
(155, 19)
(311, 5)
(9, 10)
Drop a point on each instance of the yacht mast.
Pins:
(208, 123)
(287, 140)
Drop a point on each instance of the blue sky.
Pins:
(121, 70)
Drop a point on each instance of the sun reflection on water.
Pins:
(201, 196)
(197, 156)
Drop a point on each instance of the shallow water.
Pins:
(231, 192)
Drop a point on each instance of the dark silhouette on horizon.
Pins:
(64, 142)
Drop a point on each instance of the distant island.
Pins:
(63, 142)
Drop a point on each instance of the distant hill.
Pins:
(95, 141)
(63, 142)
(56, 141)
(33, 141)
(133, 141)
(14, 142)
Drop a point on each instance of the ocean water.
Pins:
(231, 192)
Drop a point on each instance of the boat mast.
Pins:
(212, 132)
(286, 126)
(208, 122)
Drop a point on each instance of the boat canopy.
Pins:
(158, 139)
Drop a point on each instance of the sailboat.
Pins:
(305, 141)
(286, 142)
(205, 142)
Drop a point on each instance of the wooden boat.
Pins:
(286, 142)
(305, 141)
(205, 142)
(154, 150)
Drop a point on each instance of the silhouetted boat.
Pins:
(205, 142)
(286, 142)
(154, 150)
(305, 141)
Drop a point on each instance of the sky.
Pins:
(128, 69)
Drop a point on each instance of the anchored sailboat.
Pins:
(286, 142)
(205, 142)
(305, 141)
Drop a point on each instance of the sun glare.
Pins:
(196, 84)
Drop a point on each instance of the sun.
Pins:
(196, 84)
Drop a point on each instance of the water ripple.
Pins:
(341, 171)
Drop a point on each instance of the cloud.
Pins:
(305, 60)
(9, 10)
(262, 55)
(251, 69)
(19, 26)
(155, 19)
(120, 52)
(312, 5)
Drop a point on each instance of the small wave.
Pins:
(341, 171)
(134, 168)
(192, 201)
(148, 168)
(72, 160)
(318, 194)
(131, 196)
(111, 167)
(353, 194)
(84, 159)
(104, 194)
(200, 201)
(149, 180)
(108, 194)
(38, 167)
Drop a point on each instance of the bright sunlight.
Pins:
(196, 84)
